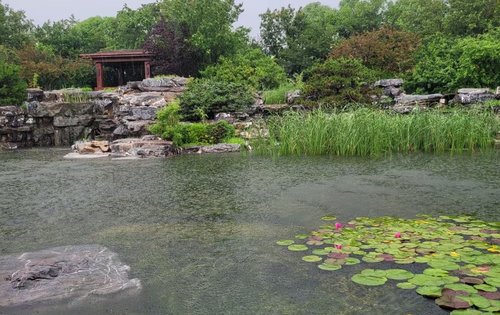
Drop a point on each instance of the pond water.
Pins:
(200, 231)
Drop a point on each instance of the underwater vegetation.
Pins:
(461, 256)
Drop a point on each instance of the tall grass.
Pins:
(367, 132)
(278, 95)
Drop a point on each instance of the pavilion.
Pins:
(116, 68)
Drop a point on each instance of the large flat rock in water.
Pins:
(69, 272)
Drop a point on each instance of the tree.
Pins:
(389, 51)
(251, 68)
(173, 54)
(445, 64)
(14, 27)
(299, 38)
(358, 16)
(210, 25)
(131, 27)
(338, 82)
(424, 17)
(12, 87)
(467, 17)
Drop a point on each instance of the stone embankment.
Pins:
(60, 118)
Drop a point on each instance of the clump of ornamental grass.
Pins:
(369, 132)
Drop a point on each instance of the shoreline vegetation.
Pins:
(371, 132)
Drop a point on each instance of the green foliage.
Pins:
(338, 82)
(424, 17)
(278, 96)
(367, 132)
(131, 27)
(208, 97)
(252, 68)
(169, 127)
(299, 38)
(210, 23)
(386, 50)
(445, 64)
(359, 16)
(12, 87)
(471, 17)
(53, 71)
(14, 27)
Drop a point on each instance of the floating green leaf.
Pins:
(301, 236)
(443, 264)
(368, 280)
(485, 287)
(329, 267)
(398, 274)
(493, 281)
(328, 218)
(429, 291)
(311, 258)
(297, 248)
(461, 287)
(406, 285)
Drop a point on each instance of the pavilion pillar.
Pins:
(147, 69)
(100, 74)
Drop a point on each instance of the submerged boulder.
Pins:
(67, 272)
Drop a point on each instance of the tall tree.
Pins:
(299, 38)
(467, 17)
(14, 27)
(210, 23)
(173, 53)
(131, 27)
(358, 16)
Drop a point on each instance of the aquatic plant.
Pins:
(461, 253)
(367, 132)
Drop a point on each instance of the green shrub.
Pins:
(167, 117)
(253, 68)
(367, 132)
(12, 87)
(205, 98)
(338, 82)
(445, 64)
(219, 131)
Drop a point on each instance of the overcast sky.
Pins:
(42, 10)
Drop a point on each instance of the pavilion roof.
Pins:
(119, 56)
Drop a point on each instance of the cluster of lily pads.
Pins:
(461, 256)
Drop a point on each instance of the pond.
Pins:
(200, 231)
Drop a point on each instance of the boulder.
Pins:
(69, 272)
(292, 96)
(65, 121)
(34, 95)
(391, 87)
(472, 96)
(168, 84)
(154, 99)
(143, 147)
(216, 148)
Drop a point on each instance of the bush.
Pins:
(12, 87)
(338, 82)
(445, 64)
(205, 98)
(252, 68)
(169, 127)
(386, 50)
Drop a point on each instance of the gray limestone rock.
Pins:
(69, 272)
(471, 96)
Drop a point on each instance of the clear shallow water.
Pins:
(199, 231)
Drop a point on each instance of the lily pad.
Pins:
(471, 280)
(329, 267)
(372, 259)
(466, 312)
(374, 273)
(285, 242)
(301, 236)
(493, 281)
(352, 261)
(406, 285)
(435, 272)
(297, 248)
(461, 287)
(443, 264)
(328, 218)
(368, 280)
(399, 274)
(312, 258)
(425, 280)
(452, 302)
(429, 291)
(485, 287)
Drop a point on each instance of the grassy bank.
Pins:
(367, 132)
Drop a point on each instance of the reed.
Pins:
(368, 132)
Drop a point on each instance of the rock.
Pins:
(34, 95)
(420, 100)
(169, 84)
(220, 148)
(144, 113)
(471, 96)
(121, 130)
(153, 99)
(224, 116)
(68, 272)
(60, 109)
(391, 87)
(292, 96)
(63, 121)
(144, 147)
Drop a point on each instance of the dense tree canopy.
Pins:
(14, 27)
